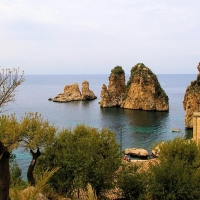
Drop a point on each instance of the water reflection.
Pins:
(137, 128)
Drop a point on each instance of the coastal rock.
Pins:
(112, 96)
(138, 152)
(191, 100)
(156, 150)
(72, 93)
(87, 94)
(144, 91)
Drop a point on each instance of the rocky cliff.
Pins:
(113, 95)
(72, 93)
(192, 100)
(87, 94)
(144, 91)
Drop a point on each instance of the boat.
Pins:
(176, 130)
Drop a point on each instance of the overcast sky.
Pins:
(94, 36)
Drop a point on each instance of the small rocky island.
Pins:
(72, 93)
(192, 100)
(142, 92)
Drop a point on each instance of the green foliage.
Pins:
(185, 150)
(84, 155)
(132, 182)
(35, 132)
(9, 131)
(177, 176)
(194, 85)
(117, 70)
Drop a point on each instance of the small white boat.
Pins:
(176, 130)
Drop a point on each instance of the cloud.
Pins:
(95, 36)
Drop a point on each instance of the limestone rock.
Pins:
(191, 100)
(156, 150)
(144, 91)
(112, 96)
(198, 67)
(87, 94)
(30, 192)
(138, 152)
(72, 93)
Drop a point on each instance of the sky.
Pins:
(94, 36)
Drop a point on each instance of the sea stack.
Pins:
(144, 91)
(72, 93)
(87, 94)
(113, 95)
(191, 100)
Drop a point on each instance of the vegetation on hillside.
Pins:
(194, 85)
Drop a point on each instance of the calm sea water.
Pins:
(134, 128)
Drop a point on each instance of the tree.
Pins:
(177, 174)
(9, 81)
(84, 155)
(35, 134)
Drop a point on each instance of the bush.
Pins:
(117, 70)
(177, 176)
(84, 155)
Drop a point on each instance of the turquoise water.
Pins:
(134, 128)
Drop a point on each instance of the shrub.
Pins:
(132, 182)
(84, 155)
(177, 176)
(117, 70)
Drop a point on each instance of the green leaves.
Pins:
(177, 174)
(31, 132)
(35, 131)
(85, 155)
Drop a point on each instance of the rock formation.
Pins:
(138, 152)
(72, 93)
(191, 100)
(112, 96)
(144, 91)
(87, 94)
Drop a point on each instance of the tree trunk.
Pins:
(30, 177)
(4, 172)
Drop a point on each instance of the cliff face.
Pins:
(144, 91)
(192, 100)
(72, 93)
(113, 95)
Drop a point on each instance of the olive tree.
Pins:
(84, 155)
(35, 134)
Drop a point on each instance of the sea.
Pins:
(133, 128)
